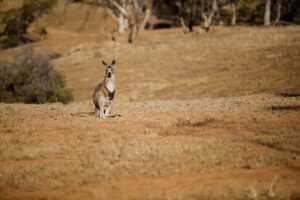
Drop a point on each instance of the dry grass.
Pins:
(204, 116)
(215, 142)
(218, 64)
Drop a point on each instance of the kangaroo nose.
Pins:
(109, 75)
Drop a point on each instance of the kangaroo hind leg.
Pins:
(102, 109)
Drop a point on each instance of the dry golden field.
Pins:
(204, 116)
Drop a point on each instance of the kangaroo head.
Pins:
(109, 69)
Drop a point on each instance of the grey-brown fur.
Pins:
(104, 92)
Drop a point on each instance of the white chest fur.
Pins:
(110, 84)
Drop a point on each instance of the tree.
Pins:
(148, 14)
(126, 13)
(278, 16)
(187, 14)
(268, 10)
(267, 18)
(213, 7)
(208, 9)
(233, 10)
(133, 20)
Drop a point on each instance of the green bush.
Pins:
(32, 79)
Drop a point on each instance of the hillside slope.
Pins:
(225, 62)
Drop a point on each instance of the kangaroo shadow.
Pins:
(93, 114)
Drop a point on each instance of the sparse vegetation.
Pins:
(15, 22)
(32, 79)
(204, 116)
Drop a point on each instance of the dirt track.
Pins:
(204, 116)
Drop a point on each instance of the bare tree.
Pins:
(267, 19)
(126, 13)
(117, 10)
(133, 11)
(128, 16)
(187, 14)
(220, 4)
(233, 10)
(278, 16)
(208, 9)
(268, 8)
(148, 14)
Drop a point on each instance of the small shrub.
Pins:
(32, 79)
(9, 43)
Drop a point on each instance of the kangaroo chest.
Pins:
(110, 86)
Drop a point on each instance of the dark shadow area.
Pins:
(283, 108)
(289, 94)
(93, 114)
(203, 123)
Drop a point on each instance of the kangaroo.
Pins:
(105, 91)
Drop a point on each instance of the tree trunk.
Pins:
(208, 20)
(133, 21)
(119, 7)
(120, 19)
(233, 10)
(133, 33)
(267, 20)
(181, 16)
(126, 26)
(218, 18)
(121, 23)
(278, 16)
(184, 26)
(147, 14)
(187, 14)
(192, 15)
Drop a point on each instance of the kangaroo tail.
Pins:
(84, 114)
(115, 115)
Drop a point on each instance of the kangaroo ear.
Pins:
(104, 63)
(113, 62)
